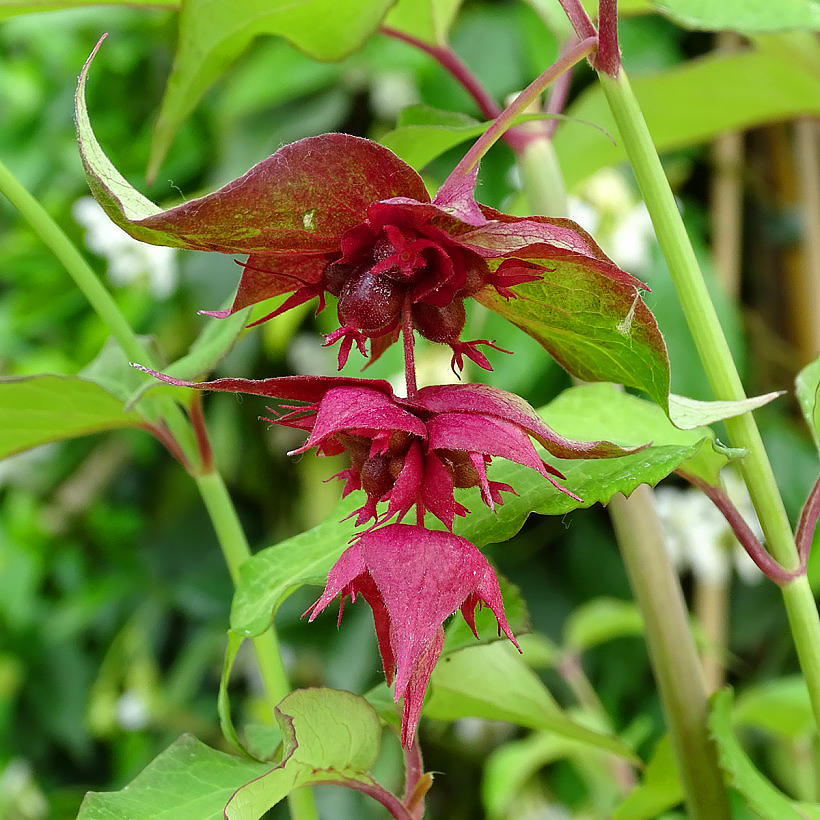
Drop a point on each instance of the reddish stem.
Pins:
(608, 58)
(567, 60)
(161, 432)
(808, 523)
(414, 768)
(452, 63)
(578, 18)
(203, 442)
(409, 357)
(755, 550)
(557, 98)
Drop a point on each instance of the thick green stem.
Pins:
(654, 582)
(672, 652)
(720, 369)
(235, 548)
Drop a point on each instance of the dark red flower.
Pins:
(416, 451)
(413, 579)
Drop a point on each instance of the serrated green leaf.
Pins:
(660, 788)
(744, 16)
(330, 737)
(426, 20)
(808, 394)
(777, 80)
(595, 327)
(38, 409)
(601, 620)
(509, 690)
(763, 797)
(213, 33)
(188, 781)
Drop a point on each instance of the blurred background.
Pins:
(113, 593)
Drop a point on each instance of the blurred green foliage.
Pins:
(113, 596)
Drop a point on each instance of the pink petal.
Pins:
(417, 686)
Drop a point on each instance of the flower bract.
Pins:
(413, 579)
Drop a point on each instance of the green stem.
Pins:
(672, 651)
(211, 486)
(720, 369)
(654, 583)
(235, 548)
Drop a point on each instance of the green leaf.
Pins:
(690, 413)
(509, 767)
(660, 788)
(223, 703)
(213, 33)
(745, 16)
(601, 620)
(597, 328)
(509, 690)
(271, 574)
(47, 407)
(423, 133)
(763, 797)
(808, 394)
(780, 707)
(330, 737)
(11, 8)
(777, 80)
(426, 20)
(188, 781)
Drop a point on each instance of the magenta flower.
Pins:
(415, 452)
(413, 579)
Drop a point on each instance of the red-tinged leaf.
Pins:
(596, 326)
(299, 200)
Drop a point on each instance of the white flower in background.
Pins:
(607, 207)
(698, 537)
(128, 259)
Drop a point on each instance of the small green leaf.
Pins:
(690, 413)
(213, 33)
(808, 394)
(330, 737)
(423, 133)
(492, 681)
(596, 327)
(601, 620)
(763, 797)
(660, 788)
(271, 574)
(744, 16)
(188, 781)
(426, 20)
(223, 703)
(38, 409)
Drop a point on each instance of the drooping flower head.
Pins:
(415, 451)
(413, 579)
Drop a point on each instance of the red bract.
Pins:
(343, 215)
(415, 451)
(413, 579)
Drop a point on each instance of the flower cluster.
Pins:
(337, 216)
